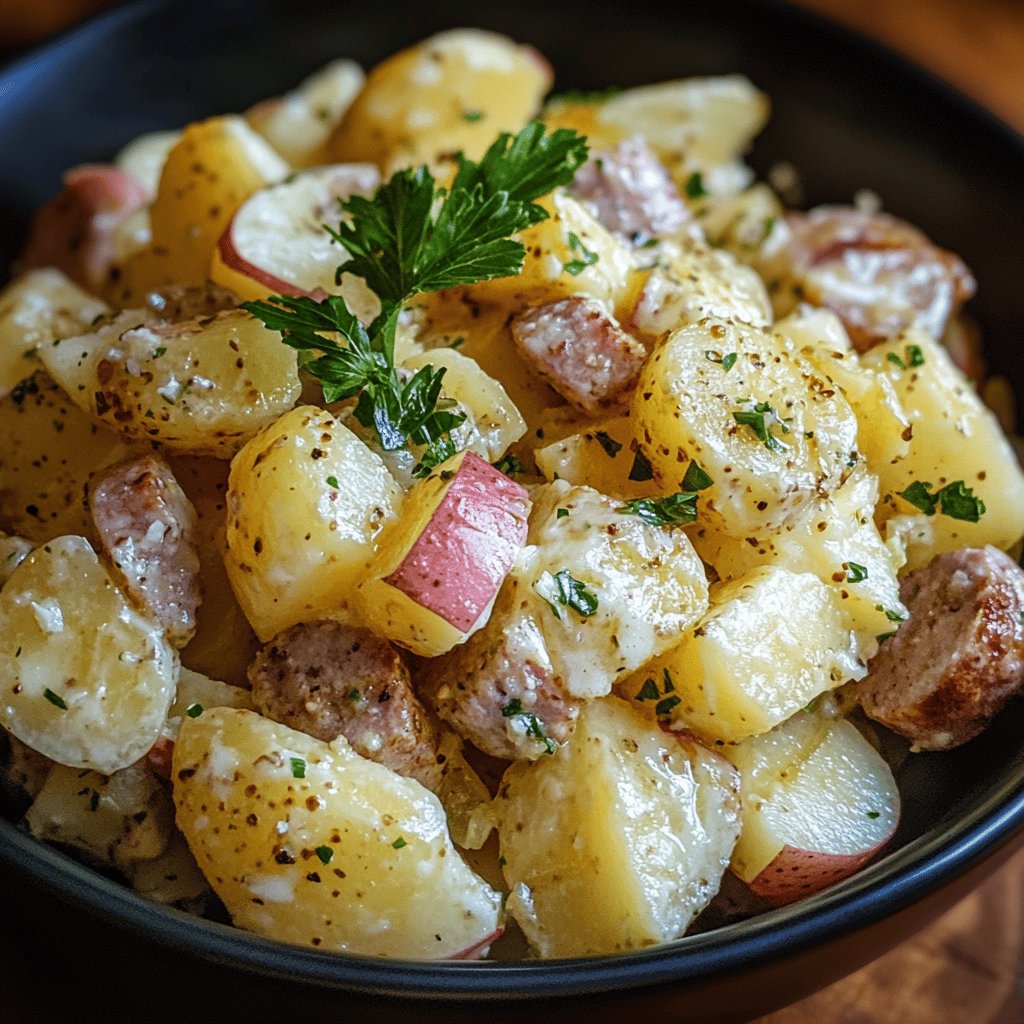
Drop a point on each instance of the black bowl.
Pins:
(848, 115)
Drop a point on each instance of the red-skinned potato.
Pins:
(818, 803)
(439, 566)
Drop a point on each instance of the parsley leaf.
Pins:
(675, 510)
(649, 690)
(564, 589)
(55, 699)
(585, 259)
(855, 573)
(757, 420)
(534, 727)
(694, 187)
(509, 464)
(696, 479)
(641, 469)
(954, 500)
(608, 443)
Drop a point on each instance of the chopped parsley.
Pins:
(399, 843)
(509, 465)
(412, 237)
(954, 500)
(649, 690)
(472, 116)
(298, 768)
(608, 443)
(158, 352)
(534, 727)
(757, 419)
(55, 699)
(882, 637)
(696, 479)
(694, 187)
(194, 710)
(873, 814)
(354, 695)
(727, 362)
(666, 697)
(564, 589)
(332, 481)
(586, 96)
(325, 853)
(641, 469)
(676, 510)
(912, 356)
(855, 573)
(584, 259)
(561, 513)
(664, 707)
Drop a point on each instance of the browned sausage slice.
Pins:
(877, 273)
(329, 679)
(75, 231)
(631, 192)
(959, 657)
(499, 692)
(146, 529)
(581, 352)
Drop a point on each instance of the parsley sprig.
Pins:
(954, 500)
(410, 238)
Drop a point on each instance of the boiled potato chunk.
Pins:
(646, 584)
(454, 91)
(838, 542)
(770, 430)
(438, 568)
(772, 641)
(306, 501)
(955, 438)
(201, 386)
(603, 457)
(120, 819)
(620, 840)
(570, 253)
(309, 843)
(50, 448)
(37, 308)
(86, 680)
(818, 802)
(208, 173)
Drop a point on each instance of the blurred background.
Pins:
(975, 44)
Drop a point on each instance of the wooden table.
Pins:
(966, 968)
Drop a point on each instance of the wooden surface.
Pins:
(966, 968)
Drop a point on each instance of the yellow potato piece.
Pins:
(306, 501)
(86, 680)
(309, 843)
(619, 840)
(454, 91)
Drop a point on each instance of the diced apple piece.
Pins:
(306, 501)
(202, 386)
(955, 438)
(439, 566)
(37, 308)
(310, 843)
(276, 244)
(772, 641)
(620, 840)
(818, 802)
(85, 679)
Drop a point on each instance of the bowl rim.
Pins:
(876, 892)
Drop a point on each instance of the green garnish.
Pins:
(508, 464)
(873, 814)
(694, 186)
(564, 589)
(757, 420)
(641, 469)
(954, 500)
(664, 707)
(411, 238)
(472, 116)
(696, 479)
(194, 710)
(298, 768)
(727, 362)
(579, 263)
(354, 695)
(325, 853)
(855, 573)
(399, 843)
(912, 354)
(608, 443)
(561, 513)
(649, 691)
(158, 352)
(332, 481)
(55, 699)
(676, 510)
(882, 637)
(586, 96)
(514, 709)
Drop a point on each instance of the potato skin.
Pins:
(309, 843)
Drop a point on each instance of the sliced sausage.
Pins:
(959, 657)
(329, 679)
(499, 691)
(75, 231)
(581, 352)
(879, 274)
(146, 529)
(631, 192)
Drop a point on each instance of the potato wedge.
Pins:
(309, 843)
(87, 681)
(772, 432)
(620, 840)
(202, 386)
(306, 501)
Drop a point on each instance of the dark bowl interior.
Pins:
(848, 115)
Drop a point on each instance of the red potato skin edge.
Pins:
(236, 261)
(479, 949)
(795, 874)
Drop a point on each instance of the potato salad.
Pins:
(443, 519)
